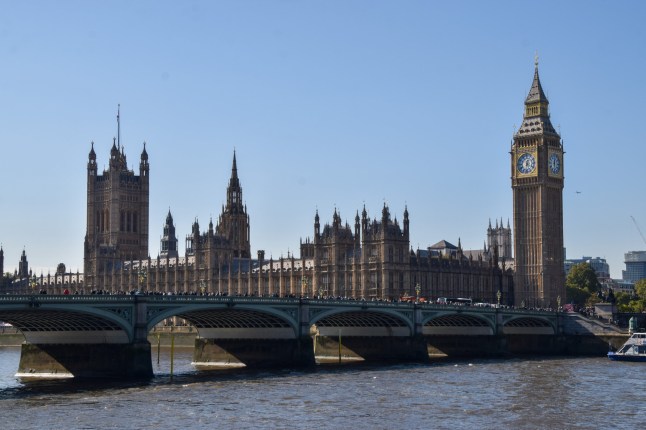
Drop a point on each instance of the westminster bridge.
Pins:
(107, 335)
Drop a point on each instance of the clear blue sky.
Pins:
(328, 104)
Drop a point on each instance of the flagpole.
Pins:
(118, 127)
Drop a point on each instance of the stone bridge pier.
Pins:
(64, 338)
(239, 335)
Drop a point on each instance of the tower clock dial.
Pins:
(526, 163)
(554, 164)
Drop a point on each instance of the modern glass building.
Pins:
(635, 266)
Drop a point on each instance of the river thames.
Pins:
(517, 393)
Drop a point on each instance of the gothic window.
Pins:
(134, 222)
(390, 254)
(326, 284)
(122, 224)
(373, 280)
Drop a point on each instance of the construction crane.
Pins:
(638, 229)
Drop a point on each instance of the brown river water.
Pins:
(517, 393)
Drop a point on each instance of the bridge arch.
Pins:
(227, 321)
(457, 323)
(528, 325)
(361, 322)
(57, 324)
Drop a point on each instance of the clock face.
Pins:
(554, 163)
(526, 163)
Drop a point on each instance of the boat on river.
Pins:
(633, 350)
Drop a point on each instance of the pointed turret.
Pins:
(536, 94)
(114, 152)
(92, 155)
(234, 191)
(406, 222)
(317, 226)
(91, 163)
(357, 230)
(168, 243)
(385, 215)
(536, 119)
(144, 154)
(23, 266)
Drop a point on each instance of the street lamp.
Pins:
(498, 296)
(558, 303)
(142, 278)
(32, 283)
(418, 289)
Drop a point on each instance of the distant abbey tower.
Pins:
(500, 237)
(117, 213)
(537, 184)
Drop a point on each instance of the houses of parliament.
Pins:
(369, 259)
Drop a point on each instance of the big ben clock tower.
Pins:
(537, 184)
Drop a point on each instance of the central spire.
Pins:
(234, 169)
(234, 191)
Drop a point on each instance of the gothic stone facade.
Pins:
(374, 261)
(117, 214)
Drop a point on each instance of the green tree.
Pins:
(626, 303)
(638, 304)
(640, 288)
(577, 295)
(582, 285)
(584, 277)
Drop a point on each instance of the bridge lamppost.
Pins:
(498, 296)
(32, 283)
(143, 275)
(418, 289)
(558, 303)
